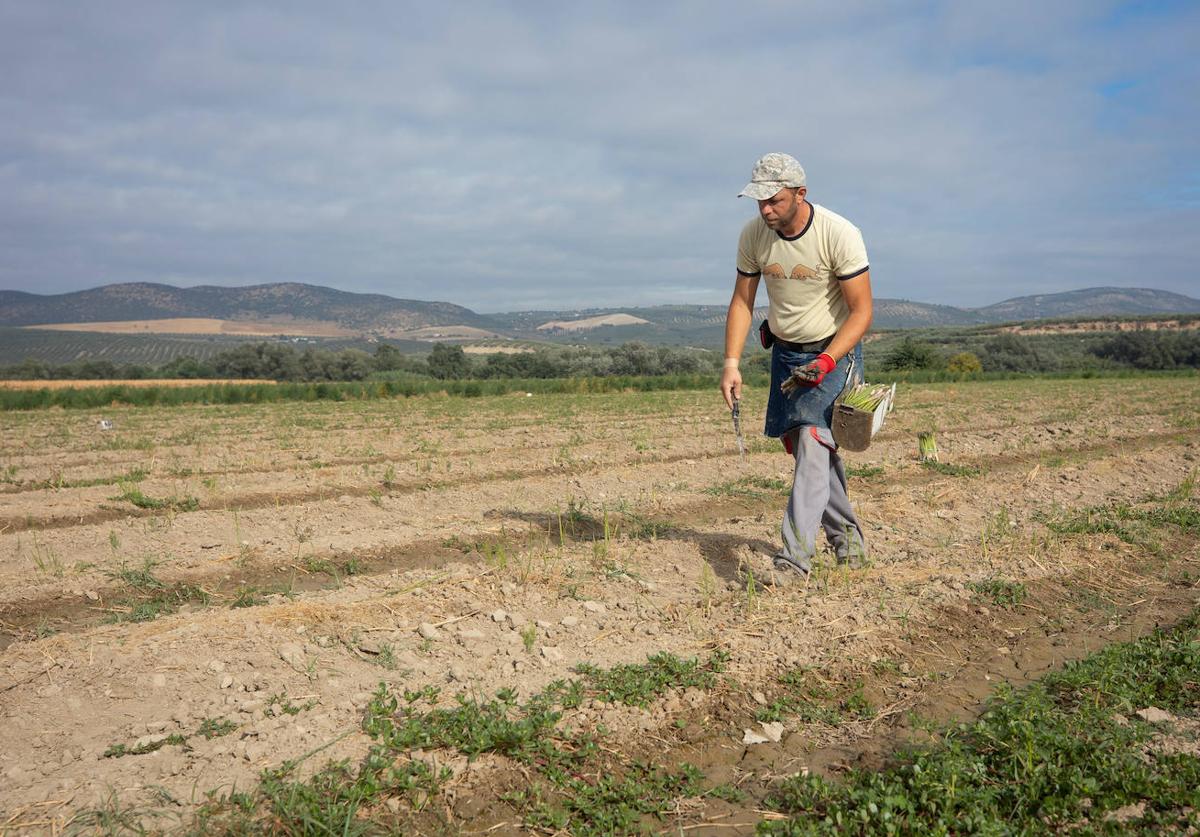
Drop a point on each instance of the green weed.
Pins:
(864, 471)
(116, 751)
(216, 727)
(1001, 592)
(247, 596)
(951, 470)
(810, 701)
(132, 494)
(751, 487)
(281, 704)
(638, 684)
(1061, 755)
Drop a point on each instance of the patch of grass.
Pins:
(1001, 592)
(247, 596)
(864, 471)
(386, 658)
(637, 685)
(112, 817)
(1140, 524)
(142, 578)
(573, 782)
(153, 597)
(216, 727)
(132, 494)
(116, 751)
(753, 486)
(1058, 757)
(811, 701)
(614, 804)
(951, 470)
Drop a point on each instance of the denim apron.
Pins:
(807, 405)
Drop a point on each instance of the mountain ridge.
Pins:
(382, 316)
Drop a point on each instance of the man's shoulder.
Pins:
(830, 219)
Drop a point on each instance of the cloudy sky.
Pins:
(521, 155)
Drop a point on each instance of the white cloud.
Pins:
(500, 157)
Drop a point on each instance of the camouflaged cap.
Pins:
(773, 172)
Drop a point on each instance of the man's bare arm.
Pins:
(737, 325)
(857, 293)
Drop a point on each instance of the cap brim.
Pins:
(762, 191)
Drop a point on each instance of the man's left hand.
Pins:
(809, 375)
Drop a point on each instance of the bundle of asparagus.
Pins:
(859, 413)
(866, 397)
(927, 450)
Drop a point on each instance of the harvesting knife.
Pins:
(737, 428)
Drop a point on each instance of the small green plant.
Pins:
(529, 637)
(386, 658)
(141, 578)
(247, 596)
(45, 558)
(751, 592)
(216, 727)
(116, 751)
(281, 704)
(1001, 592)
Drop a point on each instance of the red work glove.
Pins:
(808, 375)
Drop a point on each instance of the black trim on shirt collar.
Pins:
(812, 214)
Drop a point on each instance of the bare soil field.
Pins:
(208, 325)
(204, 593)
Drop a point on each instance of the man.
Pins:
(815, 266)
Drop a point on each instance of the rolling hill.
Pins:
(139, 320)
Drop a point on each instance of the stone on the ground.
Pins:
(292, 654)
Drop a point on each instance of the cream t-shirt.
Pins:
(802, 274)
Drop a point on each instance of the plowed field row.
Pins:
(481, 543)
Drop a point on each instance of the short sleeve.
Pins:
(849, 252)
(747, 257)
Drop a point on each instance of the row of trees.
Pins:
(1015, 353)
(282, 362)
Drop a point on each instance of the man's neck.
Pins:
(800, 222)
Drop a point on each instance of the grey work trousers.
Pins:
(819, 500)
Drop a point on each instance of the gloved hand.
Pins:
(808, 375)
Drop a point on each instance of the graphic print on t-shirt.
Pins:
(775, 271)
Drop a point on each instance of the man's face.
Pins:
(781, 210)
